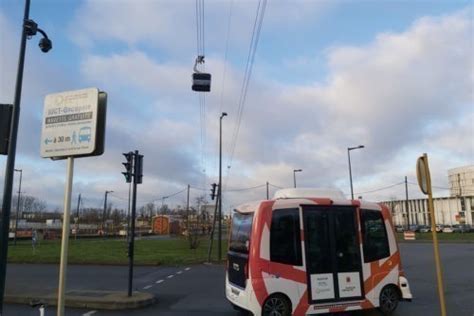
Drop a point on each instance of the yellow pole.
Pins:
(439, 271)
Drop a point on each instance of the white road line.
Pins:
(147, 287)
(170, 276)
(159, 281)
(179, 272)
(89, 313)
(187, 269)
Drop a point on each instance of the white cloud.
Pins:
(400, 95)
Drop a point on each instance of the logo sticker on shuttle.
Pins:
(236, 267)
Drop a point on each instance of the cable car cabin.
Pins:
(311, 251)
(201, 82)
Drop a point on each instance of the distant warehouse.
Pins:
(458, 208)
(448, 211)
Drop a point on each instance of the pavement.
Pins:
(199, 289)
(111, 300)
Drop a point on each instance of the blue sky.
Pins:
(396, 76)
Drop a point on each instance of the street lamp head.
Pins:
(297, 170)
(223, 114)
(18, 170)
(357, 147)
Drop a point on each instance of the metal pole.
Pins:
(211, 237)
(65, 237)
(76, 219)
(128, 212)
(8, 186)
(187, 212)
(268, 195)
(407, 206)
(350, 172)
(219, 242)
(439, 269)
(103, 213)
(132, 235)
(78, 205)
(18, 204)
(294, 178)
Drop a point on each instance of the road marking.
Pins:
(170, 276)
(179, 272)
(89, 313)
(187, 269)
(147, 287)
(159, 281)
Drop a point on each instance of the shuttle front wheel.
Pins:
(277, 305)
(389, 298)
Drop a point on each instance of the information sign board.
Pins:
(71, 122)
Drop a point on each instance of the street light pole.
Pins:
(29, 29)
(18, 204)
(350, 168)
(219, 247)
(294, 175)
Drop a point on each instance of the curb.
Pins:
(108, 300)
(429, 241)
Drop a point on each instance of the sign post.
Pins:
(424, 181)
(73, 126)
(65, 236)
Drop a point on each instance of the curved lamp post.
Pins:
(350, 170)
(29, 29)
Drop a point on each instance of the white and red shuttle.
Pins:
(312, 251)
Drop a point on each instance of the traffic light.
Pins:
(213, 191)
(128, 166)
(138, 168)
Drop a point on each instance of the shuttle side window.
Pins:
(285, 237)
(374, 236)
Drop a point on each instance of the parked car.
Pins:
(448, 229)
(425, 229)
(463, 228)
(439, 228)
(399, 229)
(414, 228)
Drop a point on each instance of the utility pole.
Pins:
(211, 237)
(268, 192)
(219, 243)
(187, 211)
(76, 218)
(105, 211)
(18, 204)
(406, 202)
(78, 205)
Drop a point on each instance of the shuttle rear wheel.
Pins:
(389, 298)
(277, 305)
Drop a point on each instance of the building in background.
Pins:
(448, 211)
(461, 181)
(456, 209)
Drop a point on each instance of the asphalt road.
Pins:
(199, 289)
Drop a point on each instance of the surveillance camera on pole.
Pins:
(29, 29)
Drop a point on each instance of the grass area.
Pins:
(147, 252)
(454, 237)
(114, 251)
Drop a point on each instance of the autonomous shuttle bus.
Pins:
(311, 251)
